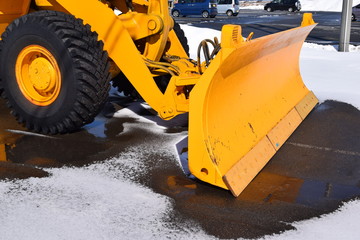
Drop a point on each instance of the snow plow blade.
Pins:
(247, 103)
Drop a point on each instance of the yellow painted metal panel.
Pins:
(305, 106)
(14, 7)
(246, 91)
(10, 10)
(284, 129)
(175, 46)
(241, 174)
(2, 153)
(49, 5)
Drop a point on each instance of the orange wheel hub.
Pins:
(38, 75)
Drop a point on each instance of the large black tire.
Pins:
(123, 84)
(182, 38)
(82, 63)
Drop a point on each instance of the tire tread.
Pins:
(90, 63)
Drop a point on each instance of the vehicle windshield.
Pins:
(236, 2)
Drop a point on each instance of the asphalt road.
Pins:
(264, 23)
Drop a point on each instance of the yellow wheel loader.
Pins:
(244, 99)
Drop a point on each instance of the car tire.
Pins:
(353, 17)
(176, 13)
(205, 14)
(229, 13)
(269, 9)
(290, 9)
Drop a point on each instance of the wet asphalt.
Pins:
(315, 172)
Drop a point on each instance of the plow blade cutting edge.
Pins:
(247, 103)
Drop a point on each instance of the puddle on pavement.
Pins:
(102, 139)
(24, 154)
(269, 187)
(18, 171)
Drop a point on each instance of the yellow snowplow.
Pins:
(244, 99)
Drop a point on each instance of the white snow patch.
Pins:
(308, 5)
(79, 204)
(254, 7)
(341, 224)
(323, 5)
(100, 201)
(330, 74)
(198, 34)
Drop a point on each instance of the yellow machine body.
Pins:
(11, 10)
(243, 104)
(250, 103)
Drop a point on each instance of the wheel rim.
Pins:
(176, 14)
(205, 14)
(38, 75)
(229, 13)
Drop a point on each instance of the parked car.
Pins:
(230, 7)
(355, 13)
(289, 5)
(205, 8)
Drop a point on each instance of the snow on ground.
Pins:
(342, 224)
(103, 201)
(331, 74)
(311, 5)
(99, 201)
(324, 5)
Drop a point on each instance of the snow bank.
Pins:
(308, 5)
(324, 5)
(342, 224)
(331, 74)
